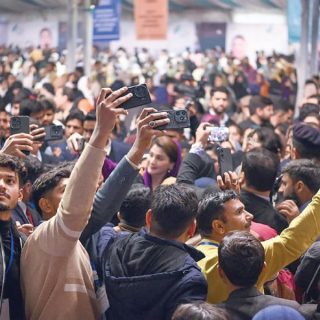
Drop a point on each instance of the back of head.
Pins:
(241, 257)
(308, 109)
(278, 312)
(135, 206)
(174, 207)
(29, 107)
(306, 140)
(33, 169)
(305, 170)
(199, 311)
(260, 168)
(257, 102)
(211, 207)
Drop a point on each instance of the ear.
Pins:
(242, 178)
(218, 227)
(259, 111)
(299, 186)
(148, 219)
(192, 228)
(20, 197)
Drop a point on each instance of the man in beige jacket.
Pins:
(56, 276)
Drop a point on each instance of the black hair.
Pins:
(75, 115)
(33, 169)
(241, 257)
(14, 164)
(69, 92)
(306, 170)
(211, 207)
(309, 109)
(219, 89)
(135, 206)
(49, 87)
(29, 107)
(258, 102)
(260, 167)
(173, 209)
(268, 138)
(90, 116)
(199, 311)
(48, 104)
(48, 181)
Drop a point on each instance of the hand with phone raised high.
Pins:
(107, 111)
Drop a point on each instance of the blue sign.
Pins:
(294, 20)
(106, 21)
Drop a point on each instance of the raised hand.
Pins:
(230, 182)
(17, 143)
(107, 112)
(147, 124)
(289, 209)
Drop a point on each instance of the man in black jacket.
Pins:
(147, 275)
(259, 171)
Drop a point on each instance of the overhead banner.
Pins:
(106, 21)
(151, 19)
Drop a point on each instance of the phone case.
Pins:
(224, 160)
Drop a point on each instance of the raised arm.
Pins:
(110, 196)
(60, 232)
(194, 166)
(293, 241)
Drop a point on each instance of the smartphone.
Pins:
(179, 119)
(53, 133)
(81, 144)
(224, 160)
(218, 134)
(20, 124)
(140, 96)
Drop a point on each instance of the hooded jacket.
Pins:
(147, 277)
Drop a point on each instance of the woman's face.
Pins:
(158, 162)
(253, 142)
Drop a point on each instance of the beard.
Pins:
(3, 207)
(293, 196)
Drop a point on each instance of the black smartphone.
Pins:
(179, 119)
(53, 133)
(140, 96)
(20, 124)
(224, 160)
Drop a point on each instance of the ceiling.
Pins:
(23, 6)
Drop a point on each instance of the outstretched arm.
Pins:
(110, 196)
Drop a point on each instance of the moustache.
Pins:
(4, 194)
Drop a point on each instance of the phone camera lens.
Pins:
(139, 92)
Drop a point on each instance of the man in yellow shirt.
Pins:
(222, 212)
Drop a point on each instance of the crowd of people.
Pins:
(120, 219)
